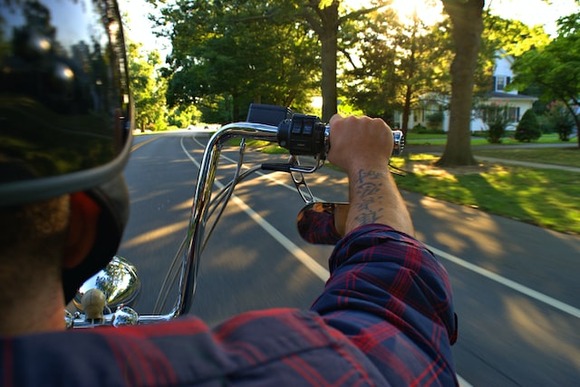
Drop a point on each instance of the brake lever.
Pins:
(300, 183)
(297, 172)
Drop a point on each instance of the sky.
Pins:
(534, 12)
(531, 12)
(139, 29)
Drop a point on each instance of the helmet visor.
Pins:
(65, 106)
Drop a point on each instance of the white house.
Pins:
(517, 104)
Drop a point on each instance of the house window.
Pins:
(418, 116)
(501, 82)
(513, 114)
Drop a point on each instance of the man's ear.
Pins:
(82, 230)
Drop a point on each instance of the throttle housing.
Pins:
(303, 134)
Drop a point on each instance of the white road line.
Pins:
(554, 303)
(463, 382)
(300, 254)
(569, 309)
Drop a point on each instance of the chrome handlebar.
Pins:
(187, 259)
(202, 200)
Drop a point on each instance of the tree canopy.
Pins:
(240, 49)
(276, 52)
(395, 63)
(226, 54)
(148, 89)
(555, 67)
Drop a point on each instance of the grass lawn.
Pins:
(441, 139)
(559, 156)
(547, 198)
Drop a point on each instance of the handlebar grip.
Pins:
(307, 135)
(301, 134)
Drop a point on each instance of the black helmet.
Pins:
(66, 114)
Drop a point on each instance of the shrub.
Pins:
(545, 123)
(528, 128)
(420, 129)
(562, 120)
(496, 118)
(435, 120)
(496, 132)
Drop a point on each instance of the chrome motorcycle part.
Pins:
(93, 304)
(118, 282)
(125, 316)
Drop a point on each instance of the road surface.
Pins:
(516, 286)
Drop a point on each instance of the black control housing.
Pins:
(303, 134)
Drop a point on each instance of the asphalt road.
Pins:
(517, 287)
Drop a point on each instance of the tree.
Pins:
(148, 89)
(238, 51)
(435, 120)
(419, 60)
(503, 37)
(511, 36)
(561, 120)
(183, 116)
(322, 16)
(394, 63)
(555, 68)
(467, 26)
(324, 19)
(370, 77)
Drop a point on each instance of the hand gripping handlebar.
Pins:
(303, 134)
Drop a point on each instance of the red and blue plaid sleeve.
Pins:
(384, 318)
(388, 293)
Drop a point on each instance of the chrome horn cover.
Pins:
(118, 281)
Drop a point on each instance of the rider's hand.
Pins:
(362, 147)
(359, 142)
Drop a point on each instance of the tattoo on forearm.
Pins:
(368, 188)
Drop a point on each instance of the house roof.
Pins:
(501, 95)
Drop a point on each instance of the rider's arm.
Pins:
(362, 146)
(386, 292)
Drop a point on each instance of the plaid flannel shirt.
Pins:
(385, 317)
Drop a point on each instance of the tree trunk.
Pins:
(467, 27)
(410, 74)
(329, 39)
(324, 21)
(407, 109)
(576, 119)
